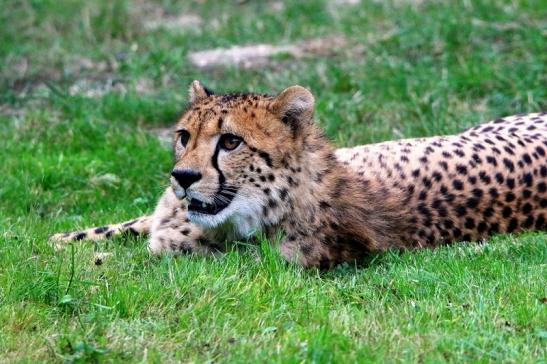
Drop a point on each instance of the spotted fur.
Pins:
(338, 205)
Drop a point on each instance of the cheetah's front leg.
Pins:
(307, 251)
(320, 250)
(172, 232)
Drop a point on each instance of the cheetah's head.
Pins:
(231, 154)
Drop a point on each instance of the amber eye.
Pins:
(184, 137)
(229, 141)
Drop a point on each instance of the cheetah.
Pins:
(248, 163)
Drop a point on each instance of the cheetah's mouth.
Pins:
(221, 200)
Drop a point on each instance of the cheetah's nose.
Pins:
(186, 177)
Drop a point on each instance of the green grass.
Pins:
(409, 68)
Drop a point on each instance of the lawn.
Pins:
(88, 88)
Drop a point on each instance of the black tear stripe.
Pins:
(226, 192)
(214, 161)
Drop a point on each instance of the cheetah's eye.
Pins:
(229, 141)
(184, 136)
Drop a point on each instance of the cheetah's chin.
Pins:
(242, 214)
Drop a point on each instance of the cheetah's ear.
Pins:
(295, 106)
(197, 91)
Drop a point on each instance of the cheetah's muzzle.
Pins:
(221, 200)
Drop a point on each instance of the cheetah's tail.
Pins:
(136, 227)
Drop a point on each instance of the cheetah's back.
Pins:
(489, 179)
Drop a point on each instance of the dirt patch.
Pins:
(277, 6)
(346, 2)
(79, 64)
(94, 89)
(173, 22)
(398, 3)
(257, 55)
(96, 77)
(334, 6)
(153, 16)
(15, 113)
(98, 88)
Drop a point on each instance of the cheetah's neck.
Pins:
(331, 202)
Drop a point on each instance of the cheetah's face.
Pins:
(228, 150)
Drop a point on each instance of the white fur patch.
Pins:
(244, 214)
